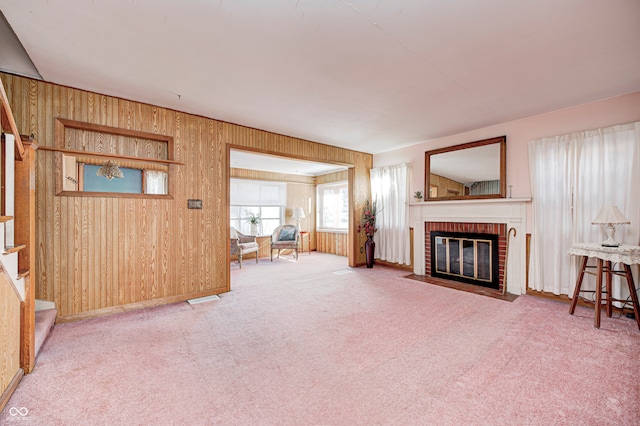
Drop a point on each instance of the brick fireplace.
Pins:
(469, 231)
(490, 216)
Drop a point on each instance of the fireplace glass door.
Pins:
(470, 258)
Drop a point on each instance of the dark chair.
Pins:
(285, 237)
(243, 244)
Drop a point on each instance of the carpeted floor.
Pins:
(295, 343)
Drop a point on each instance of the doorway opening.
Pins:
(279, 190)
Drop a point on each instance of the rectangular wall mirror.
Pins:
(473, 170)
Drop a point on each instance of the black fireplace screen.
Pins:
(470, 258)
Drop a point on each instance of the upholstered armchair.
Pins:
(285, 237)
(243, 244)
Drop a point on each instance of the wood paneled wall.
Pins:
(9, 334)
(333, 242)
(100, 255)
(332, 177)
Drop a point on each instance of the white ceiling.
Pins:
(269, 163)
(360, 74)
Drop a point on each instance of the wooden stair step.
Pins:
(13, 249)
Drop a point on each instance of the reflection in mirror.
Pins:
(468, 171)
(81, 174)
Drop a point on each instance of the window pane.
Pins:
(247, 211)
(270, 218)
(269, 225)
(343, 216)
(271, 212)
(333, 205)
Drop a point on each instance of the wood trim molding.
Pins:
(6, 395)
(136, 306)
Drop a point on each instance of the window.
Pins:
(258, 198)
(333, 206)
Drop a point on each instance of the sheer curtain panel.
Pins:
(572, 177)
(390, 188)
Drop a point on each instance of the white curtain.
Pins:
(390, 189)
(572, 177)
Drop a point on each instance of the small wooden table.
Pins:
(625, 255)
(304, 234)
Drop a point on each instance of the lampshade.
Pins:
(298, 213)
(110, 170)
(610, 214)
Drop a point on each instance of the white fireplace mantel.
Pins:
(510, 211)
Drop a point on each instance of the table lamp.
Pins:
(298, 213)
(610, 216)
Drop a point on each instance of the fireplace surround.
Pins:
(492, 216)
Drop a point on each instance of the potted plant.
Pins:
(254, 220)
(418, 195)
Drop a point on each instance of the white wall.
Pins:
(609, 112)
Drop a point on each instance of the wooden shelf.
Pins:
(5, 218)
(105, 155)
(16, 248)
(22, 274)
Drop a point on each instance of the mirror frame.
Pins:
(502, 140)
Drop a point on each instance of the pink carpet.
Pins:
(298, 344)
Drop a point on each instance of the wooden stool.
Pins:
(626, 256)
